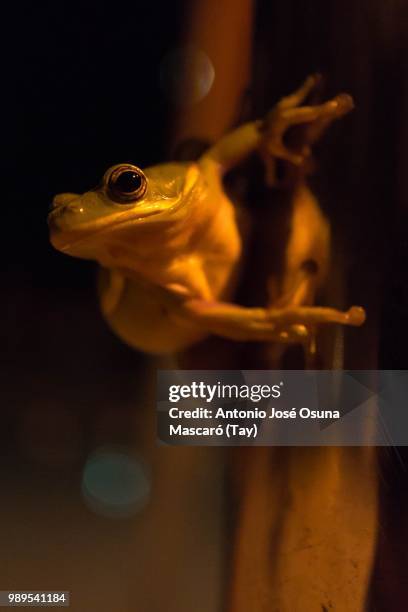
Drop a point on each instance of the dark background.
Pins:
(80, 82)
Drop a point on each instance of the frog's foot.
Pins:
(298, 96)
(283, 116)
(299, 335)
(293, 334)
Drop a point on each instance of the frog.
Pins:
(168, 241)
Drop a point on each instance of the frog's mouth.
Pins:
(66, 238)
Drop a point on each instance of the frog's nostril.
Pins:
(62, 199)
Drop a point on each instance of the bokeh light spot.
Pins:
(186, 75)
(115, 483)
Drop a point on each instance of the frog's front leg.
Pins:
(267, 136)
(261, 324)
(241, 142)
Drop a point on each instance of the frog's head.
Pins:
(126, 200)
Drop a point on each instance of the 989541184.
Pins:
(31, 599)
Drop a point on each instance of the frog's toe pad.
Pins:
(356, 315)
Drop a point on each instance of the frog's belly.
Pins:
(143, 322)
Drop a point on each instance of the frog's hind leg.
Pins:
(301, 293)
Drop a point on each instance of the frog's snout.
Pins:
(64, 205)
(63, 199)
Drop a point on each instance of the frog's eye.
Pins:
(126, 184)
